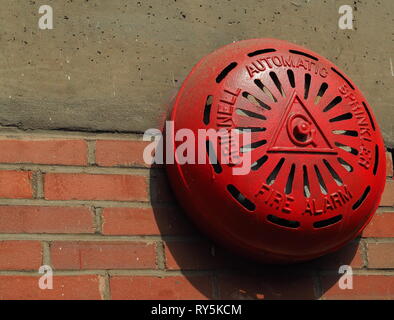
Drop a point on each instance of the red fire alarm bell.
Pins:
(316, 159)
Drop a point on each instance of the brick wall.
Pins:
(88, 206)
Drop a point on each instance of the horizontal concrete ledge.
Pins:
(114, 66)
(15, 133)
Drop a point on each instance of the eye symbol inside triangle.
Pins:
(298, 131)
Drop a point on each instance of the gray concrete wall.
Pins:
(113, 65)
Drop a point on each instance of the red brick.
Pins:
(71, 186)
(350, 254)
(120, 153)
(189, 255)
(378, 287)
(268, 285)
(381, 225)
(38, 219)
(81, 287)
(20, 255)
(15, 184)
(145, 221)
(389, 164)
(65, 152)
(381, 255)
(103, 255)
(160, 189)
(167, 288)
(388, 194)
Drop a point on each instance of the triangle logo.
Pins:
(298, 131)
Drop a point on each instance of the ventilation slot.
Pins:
(255, 100)
(246, 203)
(350, 133)
(369, 116)
(271, 178)
(257, 165)
(342, 117)
(327, 222)
(333, 103)
(346, 148)
(283, 222)
(212, 157)
(289, 184)
(207, 110)
(322, 184)
(359, 202)
(225, 72)
(307, 190)
(307, 85)
(304, 54)
(265, 90)
(334, 174)
(375, 166)
(257, 52)
(321, 92)
(253, 146)
(343, 77)
(251, 114)
(290, 75)
(251, 129)
(275, 79)
(346, 165)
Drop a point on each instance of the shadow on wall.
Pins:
(218, 274)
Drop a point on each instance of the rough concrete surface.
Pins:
(114, 65)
